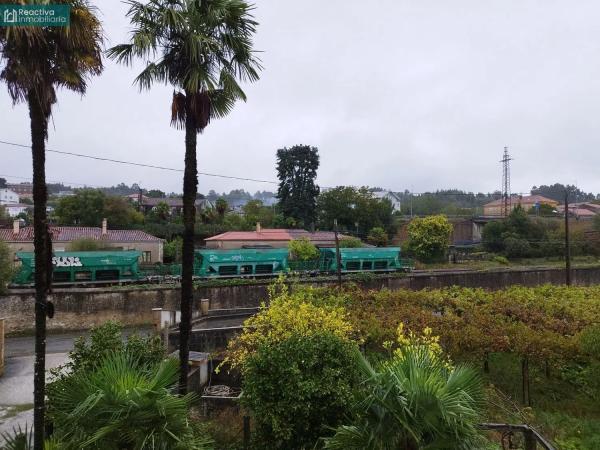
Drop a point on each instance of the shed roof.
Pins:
(275, 234)
(67, 234)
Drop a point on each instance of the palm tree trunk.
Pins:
(41, 242)
(190, 187)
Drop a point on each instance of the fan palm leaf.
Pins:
(124, 404)
(414, 401)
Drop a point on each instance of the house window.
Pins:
(147, 257)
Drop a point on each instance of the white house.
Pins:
(14, 209)
(7, 196)
(391, 196)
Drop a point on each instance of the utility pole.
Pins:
(567, 243)
(337, 253)
(506, 195)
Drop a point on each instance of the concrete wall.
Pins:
(78, 309)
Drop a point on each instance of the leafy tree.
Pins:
(491, 236)
(155, 193)
(2, 183)
(160, 213)
(297, 171)
(172, 250)
(355, 209)
(288, 314)
(37, 60)
(557, 191)
(3, 213)
(303, 250)
(299, 388)
(85, 208)
(6, 266)
(255, 212)
(201, 49)
(377, 236)
(429, 237)
(120, 214)
(350, 242)
(515, 247)
(221, 206)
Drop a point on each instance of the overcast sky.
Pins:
(418, 95)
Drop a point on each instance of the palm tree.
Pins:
(416, 401)
(201, 48)
(124, 403)
(37, 61)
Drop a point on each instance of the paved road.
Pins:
(16, 385)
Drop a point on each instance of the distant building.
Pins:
(21, 239)
(23, 190)
(581, 210)
(527, 202)
(8, 196)
(175, 203)
(391, 196)
(269, 238)
(14, 209)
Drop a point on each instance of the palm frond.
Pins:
(202, 48)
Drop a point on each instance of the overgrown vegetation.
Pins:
(115, 393)
(429, 238)
(303, 249)
(7, 269)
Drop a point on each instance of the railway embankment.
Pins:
(82, 308)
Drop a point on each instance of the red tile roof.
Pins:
(274, 234)
(67, 234)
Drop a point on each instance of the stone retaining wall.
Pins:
(78, 309)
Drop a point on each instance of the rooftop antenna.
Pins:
(506, 197)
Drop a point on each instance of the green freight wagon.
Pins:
(83, 267)
(385, 259)
(240, 262)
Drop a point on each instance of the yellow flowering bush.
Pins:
(410, 341)
(287, 315)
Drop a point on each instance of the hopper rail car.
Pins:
(101, 268)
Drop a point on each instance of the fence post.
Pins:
(166, 336)
(246, 432)
(1, 345)
(530, 440)
(156, 319)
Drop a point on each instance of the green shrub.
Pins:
(516, 247)
(124, 403)
(303, 250)
(501, 260)
(377, 236)
(429, 237)
(350, 242)
(298, 388)
(7, 269)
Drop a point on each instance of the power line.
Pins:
(131, 163)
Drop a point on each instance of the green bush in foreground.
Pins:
(124, 404)
(416, 400)
(298, 388)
